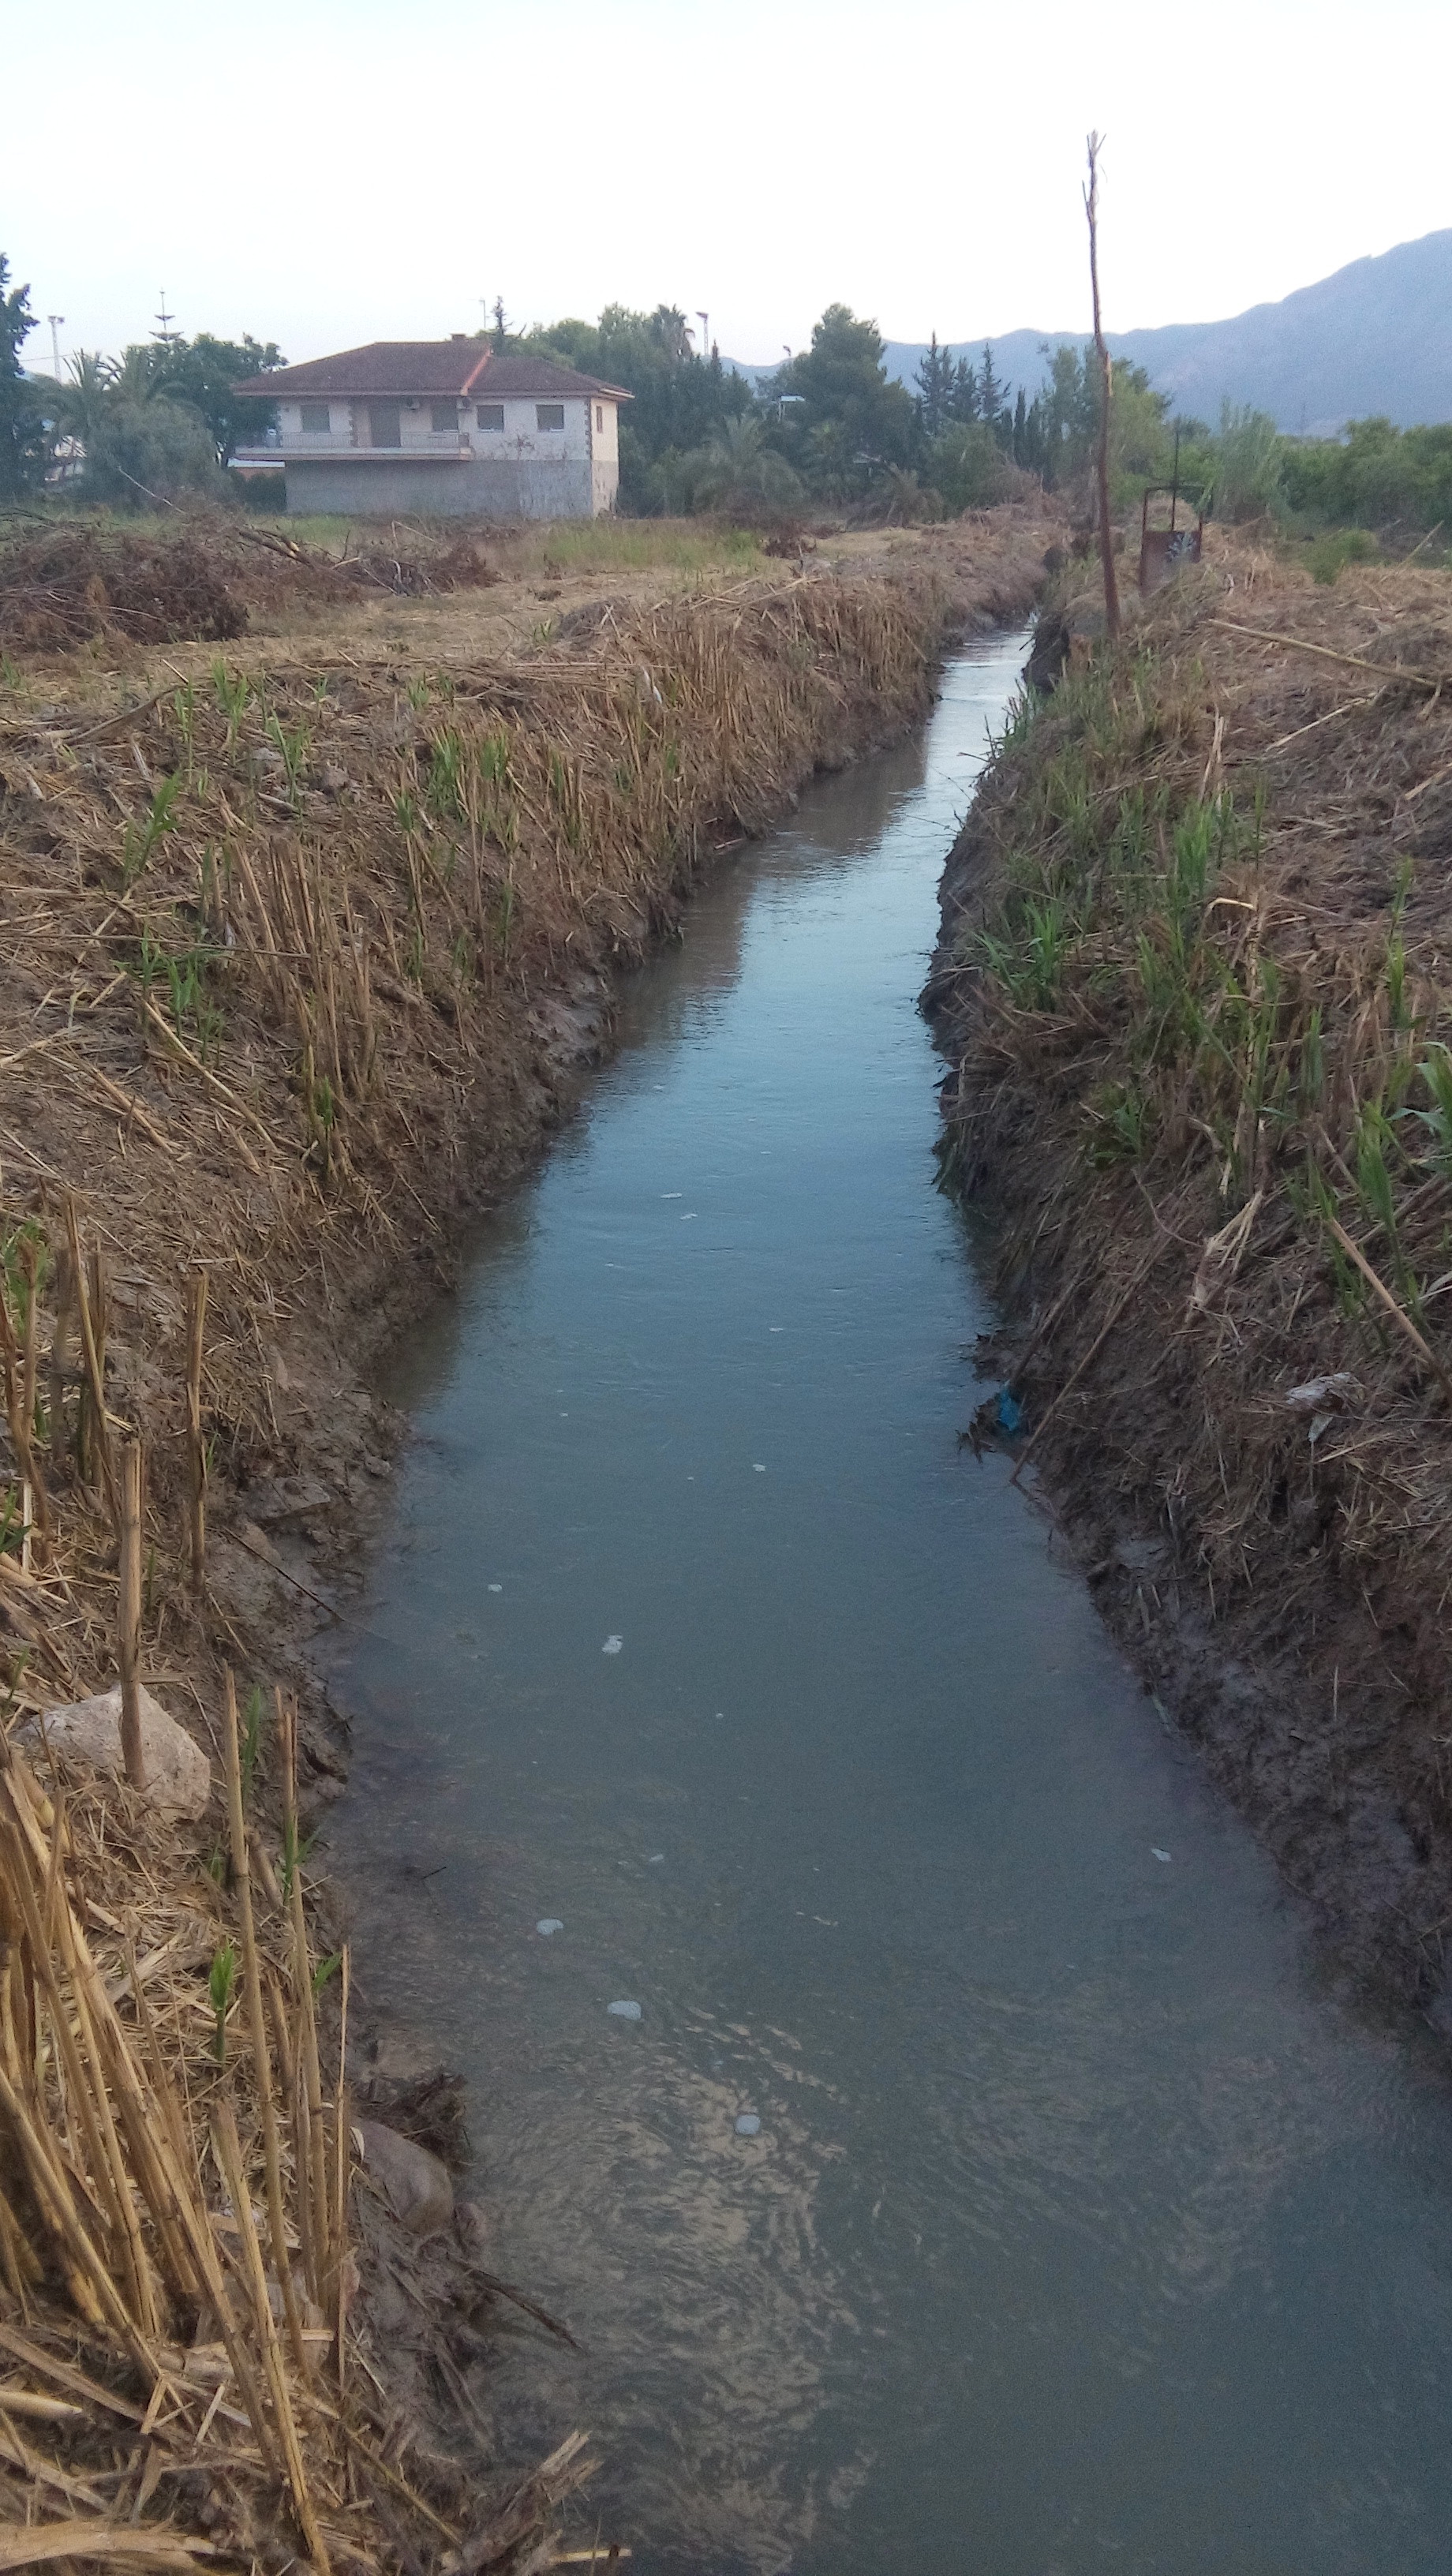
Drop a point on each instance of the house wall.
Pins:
(506, 487)
(577, 443)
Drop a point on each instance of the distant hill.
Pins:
(1375, 338)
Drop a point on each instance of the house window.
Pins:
(549, 415)
(316, 419)
(444, 416)
(599, 415)
(385, 426)
(490, 415)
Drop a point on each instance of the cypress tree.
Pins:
(964, 402)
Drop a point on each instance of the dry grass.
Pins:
(183, 2372)
(1198, 995)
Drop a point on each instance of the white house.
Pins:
(444, 428)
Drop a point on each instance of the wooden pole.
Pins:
(1106, 533)
(128, 1633)
(196, 1446)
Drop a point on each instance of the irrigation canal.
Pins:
(1083, 2224)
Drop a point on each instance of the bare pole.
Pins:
(1106, 534)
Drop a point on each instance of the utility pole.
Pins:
(1106, 533)
(705, 322)
(55, 320)
(165, 334)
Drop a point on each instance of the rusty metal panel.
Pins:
(1165, 551)
(1162, 553)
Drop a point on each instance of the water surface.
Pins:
(1083, 2227)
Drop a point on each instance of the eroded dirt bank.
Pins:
(1193, 987)
(308, 936)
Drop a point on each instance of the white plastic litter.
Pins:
(549, 1923)
(655, 1856)
(612, 1645)
(748, 2125)
(757, 1468)
(1159, 1855)
(624, 2012)
(673, 1194)
(496, 1587)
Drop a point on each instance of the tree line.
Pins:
(830, 429)
(158, 421)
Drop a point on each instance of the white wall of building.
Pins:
(589, 433)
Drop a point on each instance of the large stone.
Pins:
(178, 1776)
(414, 2183)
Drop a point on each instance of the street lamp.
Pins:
(55, 320)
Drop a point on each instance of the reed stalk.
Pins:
(128, 1625)
(196, 1445)
(257, 2026)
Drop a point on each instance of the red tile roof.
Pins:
(425, 368)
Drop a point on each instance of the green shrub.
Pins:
(1331, 553)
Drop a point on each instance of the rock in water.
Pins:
(414, 2183)
(178, 1774)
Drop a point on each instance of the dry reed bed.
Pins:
(1194, 983)
(291, 957)
(284, 964)
(182, 2380)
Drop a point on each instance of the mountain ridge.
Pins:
(1375, 337)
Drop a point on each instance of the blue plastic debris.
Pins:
(1009, 1412)
(624, 2012)
(549, 1923)
(748, 2125)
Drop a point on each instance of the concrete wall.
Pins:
(509, 487)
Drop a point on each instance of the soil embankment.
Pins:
(312, 910)
(1194, 988)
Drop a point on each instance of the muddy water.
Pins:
(1083, 2226)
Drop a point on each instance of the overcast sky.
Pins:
(324, 172)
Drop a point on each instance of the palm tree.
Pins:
(84, 399)
(740, 475)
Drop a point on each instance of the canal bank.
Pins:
(1191, 984)
(320, 934)
(986, 2172)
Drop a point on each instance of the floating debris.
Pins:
(624, 2012)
